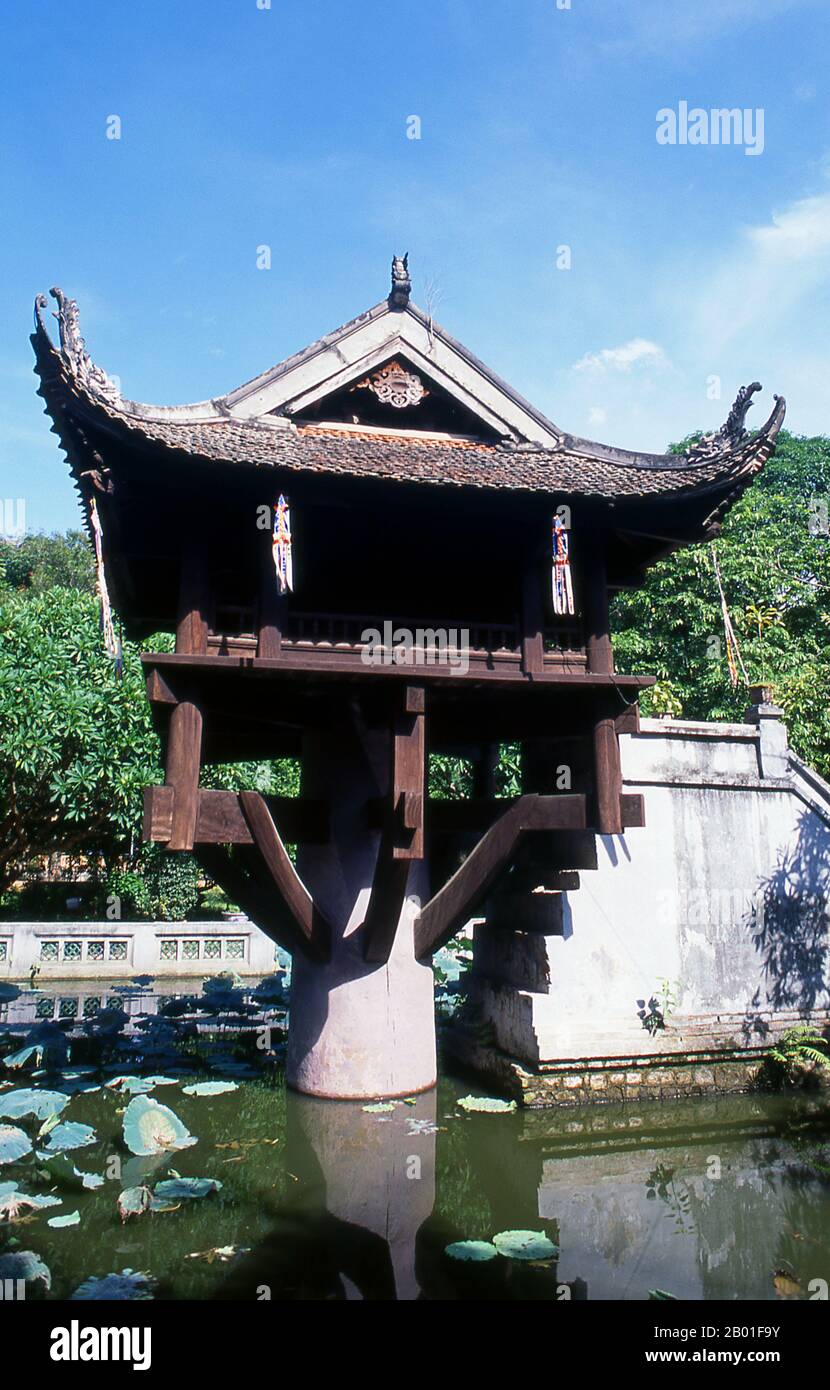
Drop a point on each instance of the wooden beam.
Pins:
(632, 810)
(629, 721)
(219, 820)
(314, 931)
(408, 776)
(455, 902)
(184, 759)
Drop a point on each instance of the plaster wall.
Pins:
(723, 893)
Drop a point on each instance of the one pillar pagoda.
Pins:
(373, 552)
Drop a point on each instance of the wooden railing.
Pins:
(343, 633)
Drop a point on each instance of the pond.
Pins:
(717, 1199)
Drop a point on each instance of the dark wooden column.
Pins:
(533, 611)
(185, 733)
(607, 775)
(194, 599)
(271, 603)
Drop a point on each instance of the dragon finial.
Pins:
(733, 432)
(73, 347)
(401, 283)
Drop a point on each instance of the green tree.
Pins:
(77, 744)
(40, 562)
(774, 560)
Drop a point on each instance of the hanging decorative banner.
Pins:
(733, 651)
(563, 594)
(283, 558)
(111, 643)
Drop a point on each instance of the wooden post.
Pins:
(607, 774)
(484, 771)
(184, 734)
(184, 757)
(271, 605)
(194, 599)
(533, 617)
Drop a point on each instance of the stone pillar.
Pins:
(357, 1030)
(773, 742)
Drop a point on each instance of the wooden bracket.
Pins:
(455, 902)
(268, 860)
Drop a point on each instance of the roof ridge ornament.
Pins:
(73, 347)
(401, 283)
(733, 432)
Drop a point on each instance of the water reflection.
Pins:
(704, 1201)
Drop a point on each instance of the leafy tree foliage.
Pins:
(77, 745)
(40, 562)
(774, 559)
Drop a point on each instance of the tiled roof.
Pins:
(576, 467)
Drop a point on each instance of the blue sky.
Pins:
(287, 126)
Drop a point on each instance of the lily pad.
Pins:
(72, 1218)
(181, 1189)
(140, 1085)
(69, 1134)
(13, 1201)
(65, 1174)
(486, 1105)
(150, 1128)
(16, 1060)
(26, 1265)
(210, 1088)
(15, 1104)
(128, 1284)
(379, 1107)
(14, 1144)
(474, 1250)
(660, 1296)
(134, 1201)
(525, 1245)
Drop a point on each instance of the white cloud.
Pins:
(770, 272)
(638, 352)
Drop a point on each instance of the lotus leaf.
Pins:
(525, 1245)
(486, 1105)
(181, 1189)
(15, 1104)
(128, 1284)
(24, 1264)
(69, 1134)
(150, 1128)
(72, 1218)
(211, 1088)
(475, 1250)
(14, 1144)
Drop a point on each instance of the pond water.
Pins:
(716, 1199)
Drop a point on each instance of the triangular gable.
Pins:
(408, 340)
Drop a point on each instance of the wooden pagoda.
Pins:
(422, 494)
